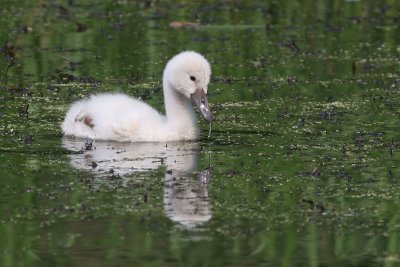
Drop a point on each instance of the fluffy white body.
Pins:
(122, 118)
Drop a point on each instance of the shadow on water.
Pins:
(186, 200)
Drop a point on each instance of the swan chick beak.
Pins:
(200, 100)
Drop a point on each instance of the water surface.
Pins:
(301, 168)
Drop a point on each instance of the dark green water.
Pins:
(301, 168)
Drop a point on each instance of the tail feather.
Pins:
(77, 122)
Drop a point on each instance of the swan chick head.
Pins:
(189, 73)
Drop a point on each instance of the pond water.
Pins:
(301, 167)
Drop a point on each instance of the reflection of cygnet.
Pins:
(126, 158)
(185, 198)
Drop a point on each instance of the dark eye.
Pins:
(193, 78)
